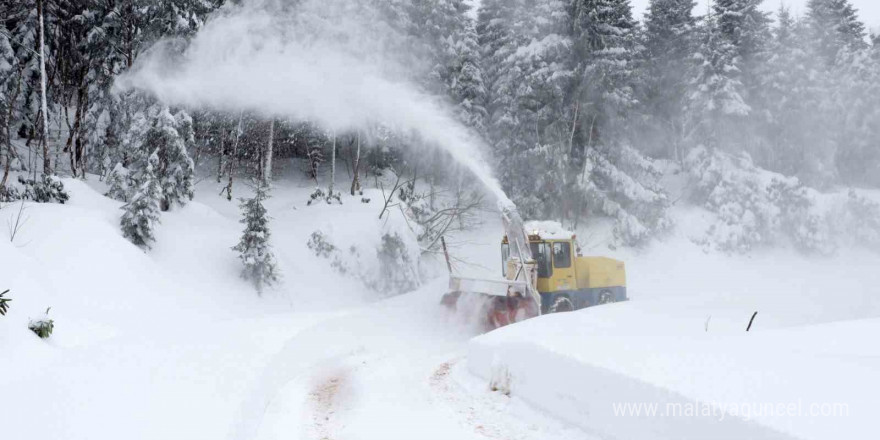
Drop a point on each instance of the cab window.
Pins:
(505, 255)
(541, 253)
(561, 255)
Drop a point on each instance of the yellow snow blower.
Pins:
(543, 273)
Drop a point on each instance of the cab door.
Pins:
(563, 266)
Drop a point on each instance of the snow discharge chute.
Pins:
(496, 303)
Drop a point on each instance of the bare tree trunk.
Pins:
(81, 143)
(574, 122)
(582, 205)
(261, 164)
(66, 118)
(232, 158)
(332, 166)
(47, 163)
(220, 156)
(6, 156)
(312, 165)
(267, 172)
(10, 153)
(356, 180)
(200, 143)
(73, 139)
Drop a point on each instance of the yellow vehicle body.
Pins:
(596, 272)
(567, 281)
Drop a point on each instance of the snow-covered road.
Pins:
(392, 370)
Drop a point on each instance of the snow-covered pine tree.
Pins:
(128, 159)
(614, 179)
(855, 116)
(141, 214)
(668, 39)
(747, 28)
(254, 249)
(499, 39)
(875, 45)
(834, 26)
(791, 125)
(559, 78)
(622, 184)
(716, 97)
(526, 57)
(119, 183)
(603, 49)
(175, 169)
(466, 86)
(21, 20)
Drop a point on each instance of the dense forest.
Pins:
(579, 102)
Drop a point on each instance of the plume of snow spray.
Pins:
(335, 63)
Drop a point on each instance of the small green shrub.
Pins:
(42, 326)
(47, 189)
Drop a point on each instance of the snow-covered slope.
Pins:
(172, 344)
(146, 345)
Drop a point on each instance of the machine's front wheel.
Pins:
(561, 304)
(606, 297)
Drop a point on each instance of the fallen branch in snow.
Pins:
(751, 321)
(15, 226)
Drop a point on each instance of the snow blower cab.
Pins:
(564, 278)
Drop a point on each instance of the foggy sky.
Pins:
(869, 10)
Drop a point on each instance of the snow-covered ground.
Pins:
(172, 344)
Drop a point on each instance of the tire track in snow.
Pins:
(327, 399)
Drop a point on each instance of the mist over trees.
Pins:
(583, 105)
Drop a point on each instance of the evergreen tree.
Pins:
(614, 179)
(788, 103)
(855, 116)
(835, 26)
(22, 24)
(142, 213)
(669, 45)
(716, 97)
(603, 34)
(467, 88)
(875, 45)
(175, 169)
(498, 41)
(447, 37)
(526, 50)
(254, 249)
(744, 25)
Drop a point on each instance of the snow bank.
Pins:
(603, 369)
(809, 345)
